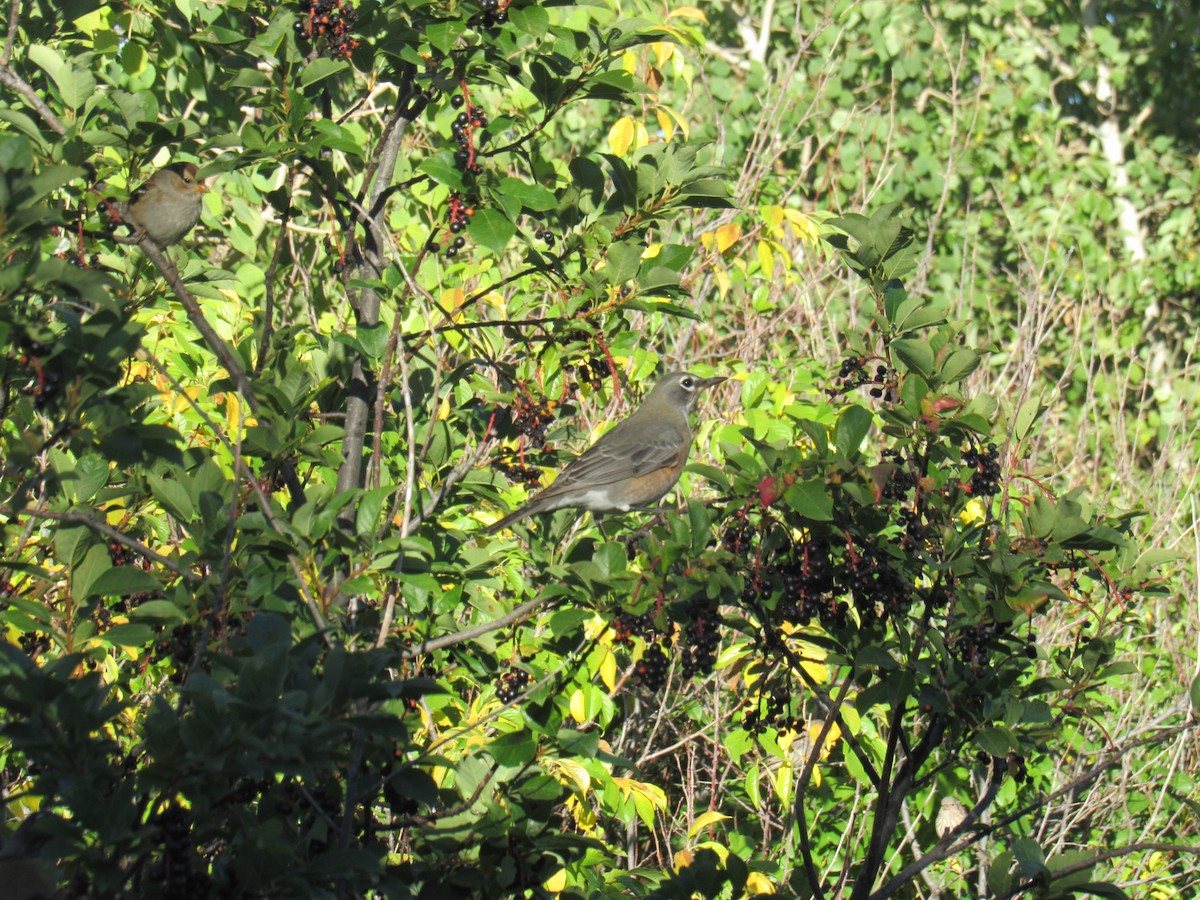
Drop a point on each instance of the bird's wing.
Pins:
(614, 457)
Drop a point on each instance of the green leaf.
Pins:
(85, 575)
(490, 229)
(916, 356)
(121, 581)
(811, 500)
(68, 543)
(321, 68)
(531, 196)
(958, 365)
(1031, 861)
(1031, 410)
(515, 749)
(129, 634)
(531, 19)
(995, 741)
(851, 429)
(622, 262)
(75, 85)
(160, 612)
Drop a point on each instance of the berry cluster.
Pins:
(699, 642)
(877, 589)
(738, 537)
(458, 215)
(592, 371)
(652, 669)
(799, 576)
(332, 20)
(901, 480)
(463, 130)
(628, 626)
(34, 644)
(773, 710)
(43, 383)
(884, 382)
(532, 417)
(544, 234)
(511, 683)
(985, 481)
(495, 12)
(508, 465)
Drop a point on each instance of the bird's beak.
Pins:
(711, 382)
(201, 187)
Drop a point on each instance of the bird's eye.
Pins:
(687, 382)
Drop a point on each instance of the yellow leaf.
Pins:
(579, 706)
(493, 299)
(766, 259)
(641, 136)
(679, 120)
(570, 772)
(582, 813)
(665, 124)
(757, 883)
(556, 882)
(663, 52)
(973, 512)
(608, 669)
(451, 299)
(620, 136)
(772, 217)
(783, 785)
(235, 420)
(706, 240)
(687, 12)
(834, 735)
(139, 369)
(652, 251)
(728, 235)
(682, 859)
(751, 675)
(802, 226)
(629, 62)
(704, 820)
(819, 673)
(723, 284)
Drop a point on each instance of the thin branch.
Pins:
(78, 518)
(263, 503)
(947, 846)
(22, 87)
(469, 634)
(13, 11)
(1105, 856)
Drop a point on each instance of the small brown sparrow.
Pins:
(167, 206)
(950, 815)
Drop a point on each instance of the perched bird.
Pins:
(632, 465)
(167, 206)
(951, 814)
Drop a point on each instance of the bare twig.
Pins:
(78, 518)
(469, 634)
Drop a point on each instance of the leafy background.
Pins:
(935, 547)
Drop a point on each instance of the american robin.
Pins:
(632, 465)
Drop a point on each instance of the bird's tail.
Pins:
(514, 516)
